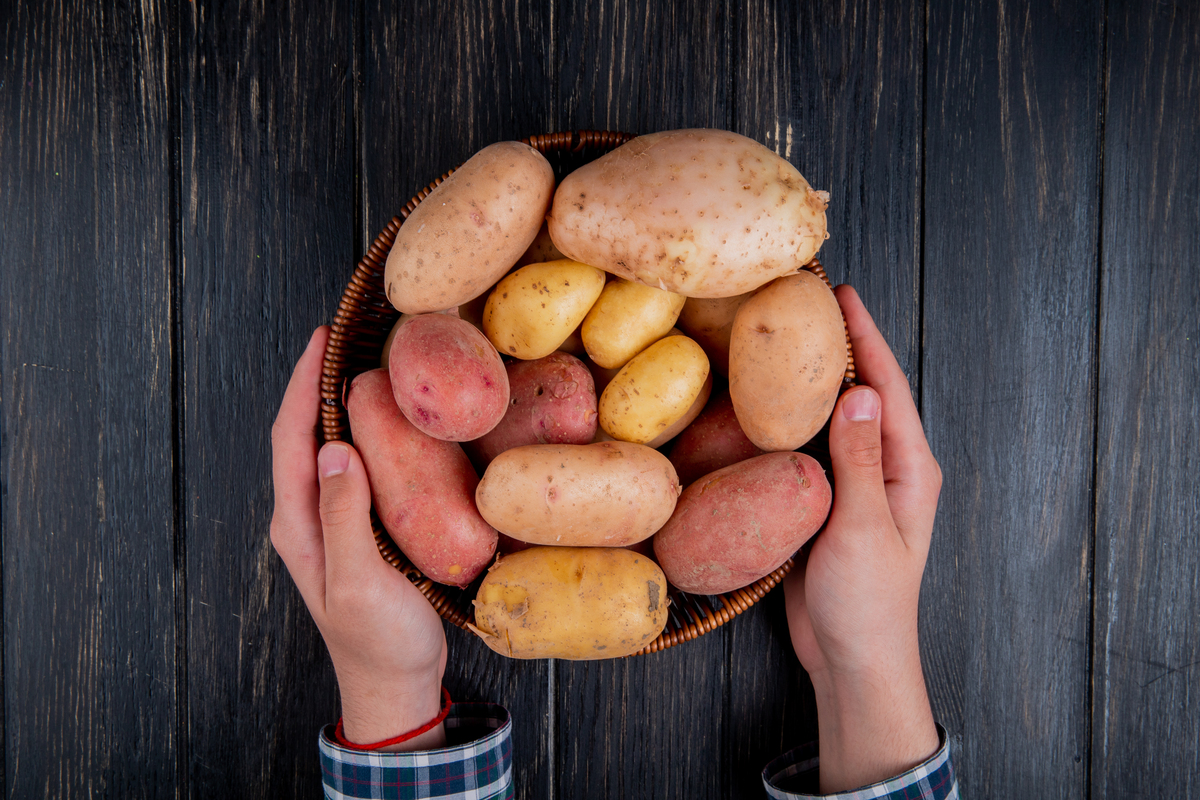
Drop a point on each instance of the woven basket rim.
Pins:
(362, 320)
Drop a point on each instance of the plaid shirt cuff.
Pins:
(478, 766)
(794, 773)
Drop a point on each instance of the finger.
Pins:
(351, 555)
(294, 439)
(856, 451)
(295, 525)
(911, 475)
(877, 367)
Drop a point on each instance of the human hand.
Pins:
(852, 605)
(386, 642)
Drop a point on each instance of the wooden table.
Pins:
(186, 186)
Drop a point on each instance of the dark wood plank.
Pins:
(836, 89)
(441, 81)
(1146, 708)
(268, 187)
(1008, 387)
(652, 726)
(85, 371)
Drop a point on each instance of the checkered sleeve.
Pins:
(477, 767)
(793, 776)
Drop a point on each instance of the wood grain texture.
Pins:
(441, 81)
(267, 163)
(836, 89)
(1011, 194)
(651, 726)
(1146, 706)
(85, 267)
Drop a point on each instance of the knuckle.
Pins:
(865, 453)
(337, 506)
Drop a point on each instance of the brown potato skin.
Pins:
(742, 522)
(713, 441)
(608, 494)
(702, 213)
(448, 379)
(787, 358)
(551, 401)
(709, 321)
(470, 230)
(540, 249)
(423, 488)
(577, 603)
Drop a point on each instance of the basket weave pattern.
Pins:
(362, 321)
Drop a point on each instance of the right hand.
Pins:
(386, 642)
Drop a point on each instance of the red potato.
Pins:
(423, 488)
(742, 522)
(447, 377)
(551, 401)
(715, 440)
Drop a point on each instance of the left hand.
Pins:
(386, 642)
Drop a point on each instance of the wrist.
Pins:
(373, 710)
(874, 723)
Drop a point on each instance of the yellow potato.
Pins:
(470, 230)
(710, 322)
(787, 358)
(656, 388)
(688, 417)
(532, 311)
(577, 603)
(591, 495)
(626, 319)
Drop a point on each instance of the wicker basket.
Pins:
(362, 322)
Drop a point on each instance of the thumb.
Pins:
(856, 451)
(345, 507)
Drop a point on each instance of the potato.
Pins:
(653, 390)
(542, 249)
(704, 213)
(470, 230)
(742, 522)
(577, 603)
(626, 319)
(551, 401)
(448, 379)
(709, 322)
(593, 495)
(385, 355)
(423, 488)
(713, 441)
(787, 358)
(683, 422)
(532, 311)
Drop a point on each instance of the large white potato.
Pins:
(470, 230)
(704, 213)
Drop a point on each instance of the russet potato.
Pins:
(470, 230)
(787, 358)
(703, 213)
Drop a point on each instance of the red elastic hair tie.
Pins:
(340, 736)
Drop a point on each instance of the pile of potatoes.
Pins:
(555, 388)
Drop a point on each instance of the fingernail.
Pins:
(333, 460)
(861, 406)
